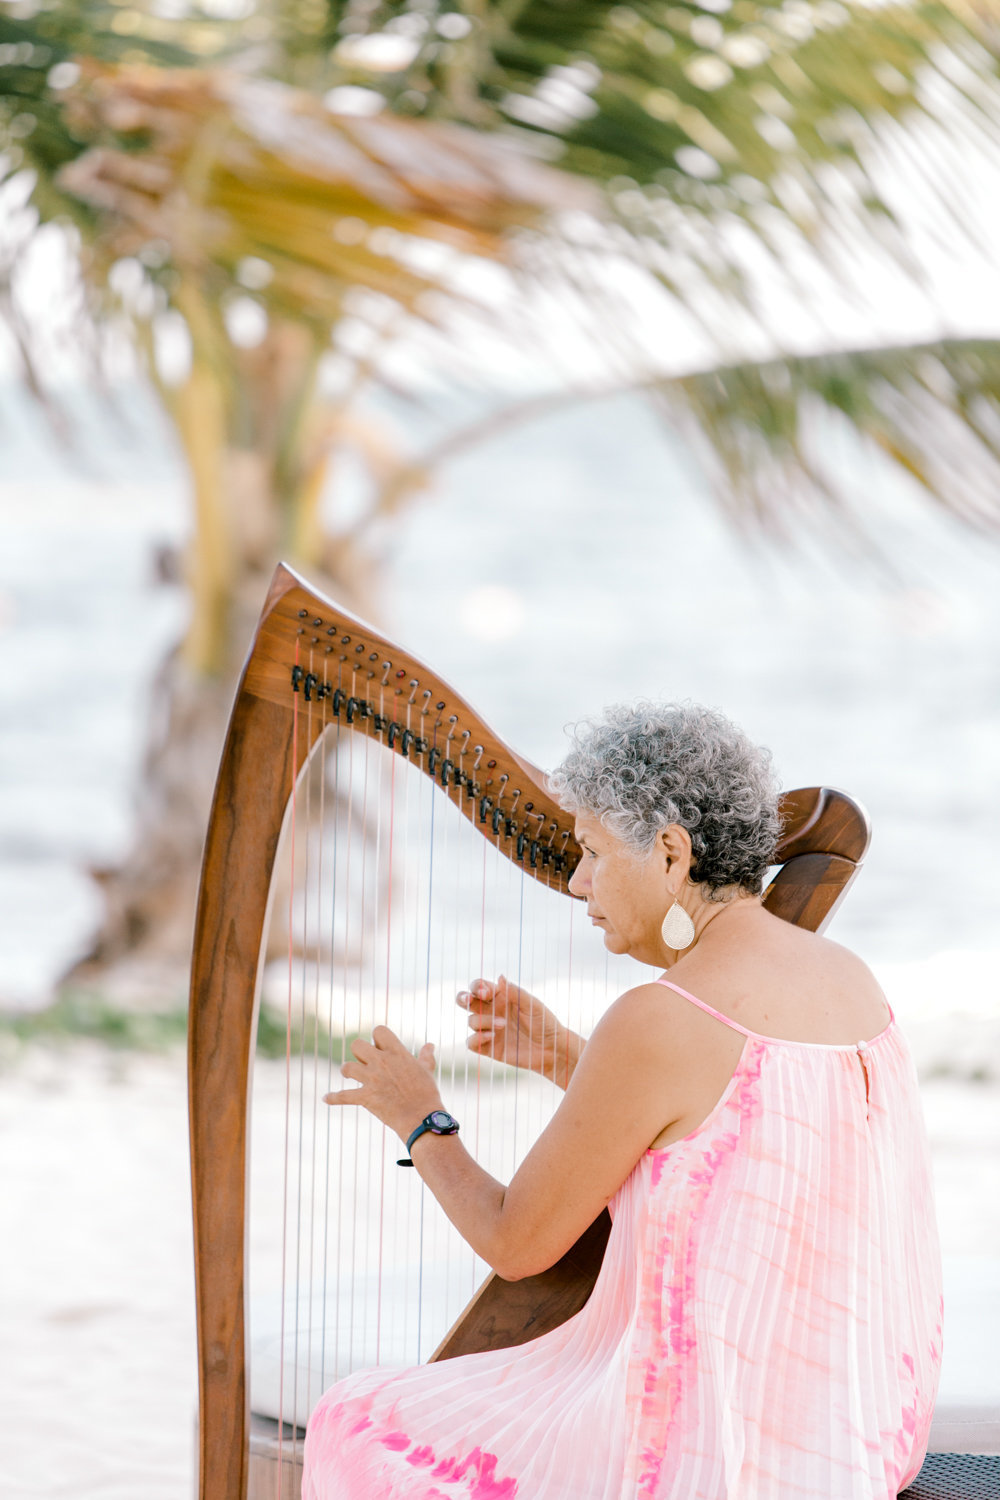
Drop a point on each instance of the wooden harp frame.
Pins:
(267, 746)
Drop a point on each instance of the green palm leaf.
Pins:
(765, 432)
(765, 428)
(693, 121)
(714, 108)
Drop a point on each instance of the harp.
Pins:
(315, 677)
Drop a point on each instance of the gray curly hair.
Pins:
(643, 766)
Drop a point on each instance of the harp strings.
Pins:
(395, 903)
(303, 1201)
(452, 871)
(335, 761)
(428, 808)
(383, 861)
(288, 1081)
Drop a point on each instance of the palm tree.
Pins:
(320, 166)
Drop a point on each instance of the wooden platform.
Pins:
(956, 1476)
(267, 1482)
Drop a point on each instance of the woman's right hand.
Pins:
(511, 1026)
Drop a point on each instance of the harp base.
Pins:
(267, 1480)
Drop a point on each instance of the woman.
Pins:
(767, 1321)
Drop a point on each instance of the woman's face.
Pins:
(627, 894)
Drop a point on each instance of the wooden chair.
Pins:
(293, 689)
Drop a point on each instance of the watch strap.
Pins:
(427, 1125)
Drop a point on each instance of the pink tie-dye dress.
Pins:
(766, 1324)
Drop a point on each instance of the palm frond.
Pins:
(766, 430)
(232, 169)
(766, 433)
(750, 114)
(773, 121)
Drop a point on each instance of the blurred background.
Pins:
(593, 351)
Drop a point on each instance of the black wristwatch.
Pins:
(438, 1122)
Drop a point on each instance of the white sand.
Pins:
(96, 1286)
(97, 1381)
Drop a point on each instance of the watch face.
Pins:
(442, 1122)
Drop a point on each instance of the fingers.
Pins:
(426, 1056)
(387, 1041)
(486, 997)
(383, 1040)
(487, 1023)
(366, 1054)
(500, 991)
(480, 992)
(343, 1096)
(485, 1001)
(487, 1034)
(485, 1043)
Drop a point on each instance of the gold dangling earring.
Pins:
(678, 929)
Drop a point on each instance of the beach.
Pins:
(573, 564)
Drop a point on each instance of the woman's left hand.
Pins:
(396, 1087)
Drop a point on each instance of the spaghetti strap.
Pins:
(860, 1046)
(726, 1020)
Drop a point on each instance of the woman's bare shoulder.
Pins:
(791, 983)
(641, 1005)
(827, 963)
(650, 1014)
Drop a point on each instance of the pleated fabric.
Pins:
(766, 1324)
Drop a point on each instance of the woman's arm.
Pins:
(511, 1026)
(624, 1092)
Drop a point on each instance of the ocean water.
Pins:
(565, 564)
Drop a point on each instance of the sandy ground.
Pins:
(97, 1379)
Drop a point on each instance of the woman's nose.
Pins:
(579, 885)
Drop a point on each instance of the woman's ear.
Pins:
(675, 844)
